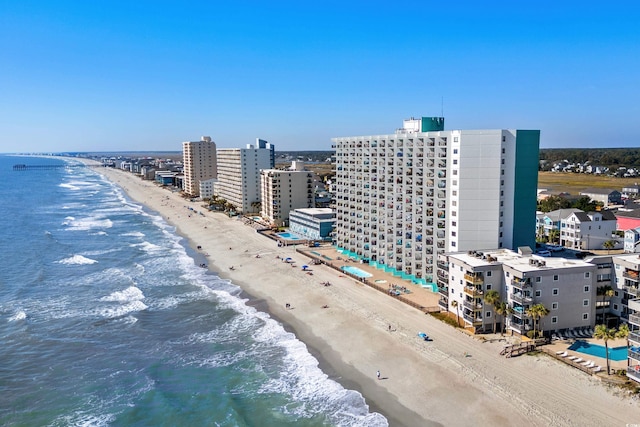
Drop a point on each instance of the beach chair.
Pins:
(572, 357)
(578, 360)
(560, 352)
(597, 369)
(587, 363)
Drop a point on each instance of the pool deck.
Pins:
(563, 345)
(418, 297)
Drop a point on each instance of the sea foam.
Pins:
(20, 315)
(77, 260)
(130, 294)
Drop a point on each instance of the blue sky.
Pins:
(98, 75)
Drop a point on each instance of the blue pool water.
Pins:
(616, 353)
(288, 236)
(355, 271)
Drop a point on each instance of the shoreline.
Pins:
(424, 384)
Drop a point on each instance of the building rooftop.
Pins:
(520, 262)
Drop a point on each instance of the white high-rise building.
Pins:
(285, 190)
(199, 159)
(239, 174)
(404, 197)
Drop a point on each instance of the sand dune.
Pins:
(422, 383)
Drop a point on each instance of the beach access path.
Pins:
(454, 380)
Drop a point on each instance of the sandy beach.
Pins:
(454, 380)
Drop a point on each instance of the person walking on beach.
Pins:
(378, 374)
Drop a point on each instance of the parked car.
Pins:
(544, 253)
(554, 248)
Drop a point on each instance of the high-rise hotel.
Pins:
(404, 197)
(199, 160)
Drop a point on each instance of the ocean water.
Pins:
(106, 320)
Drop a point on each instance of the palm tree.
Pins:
(554, 236)
(492, 298)
(608, 245)
(536, 312)
(606, 334)
(623, 332)
(502, 309)
(454, 303)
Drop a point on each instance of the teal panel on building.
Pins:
(432, 124)
(526, 181)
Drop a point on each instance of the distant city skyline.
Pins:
(147, 76)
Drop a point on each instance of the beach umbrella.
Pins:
(304, 267)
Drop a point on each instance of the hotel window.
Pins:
(538, 293)
(554, 306)
(488, 275)
(556, 277)
(455, 161)
(585, 302)
(487, 314)
(503, 162)
(455, 139)
(538, 279)
(585, 316)
(615, 307)
(555, 291)
(489, 285)
(455, 150)
(586, 288)
(554, 319)
(455, 171)
(586, 275)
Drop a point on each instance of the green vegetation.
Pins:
(609, 157)
(443, 317)
(553, 203)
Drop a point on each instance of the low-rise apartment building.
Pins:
(313, 224)
(567, 288)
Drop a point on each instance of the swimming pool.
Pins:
(616, 353)
(355, 271)
(288, 236)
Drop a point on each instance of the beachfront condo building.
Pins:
(404, 197)
(239, 174)
(567, 288)
(285, 190)
(199, 162)
(627, 286)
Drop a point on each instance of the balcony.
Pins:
(633, 290)
(473, 291)
(520, 328)
(521, 298)
(634, 319)
(471, 318)
(476, 279)
(634, 354)
(472, 305)
(443, 304)
(634, 337)
(633, 374)
(521, 283)
(443, 290)
(630, 274)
